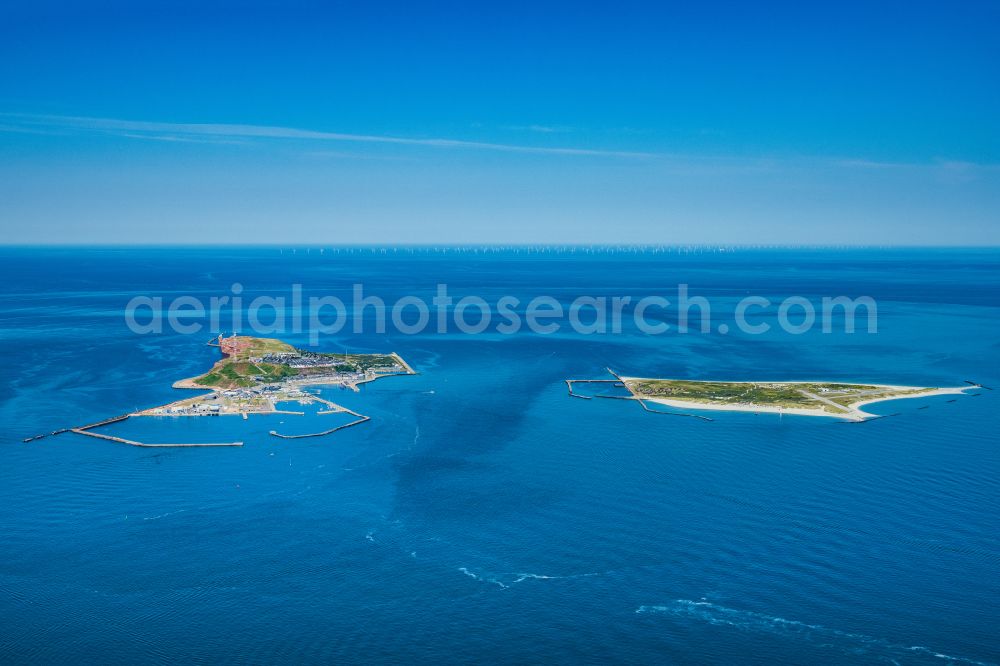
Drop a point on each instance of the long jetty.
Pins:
(88, 430)
(81, 430)
(334, 409)
(132, 442)
(976, 385)
(325, 432)
(46, 434)
(570, 382)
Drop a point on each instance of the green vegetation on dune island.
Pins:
(808, 398)
(833, 398)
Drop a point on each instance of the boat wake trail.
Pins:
(849, 643)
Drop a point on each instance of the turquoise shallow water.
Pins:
(484, 515)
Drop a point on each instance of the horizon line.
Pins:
(495, 245)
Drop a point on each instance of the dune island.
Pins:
(255, 376)
(805, 398)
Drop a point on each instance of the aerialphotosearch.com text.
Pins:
(680, 312)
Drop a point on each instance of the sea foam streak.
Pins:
(505, 580)
(850, 643)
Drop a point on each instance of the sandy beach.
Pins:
(743, 407)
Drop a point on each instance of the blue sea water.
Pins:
(482, 515)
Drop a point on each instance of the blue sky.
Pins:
(733, 123)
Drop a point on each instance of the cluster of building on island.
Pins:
(262, 392)
(346, 367)
(301, 359)
(260, 398)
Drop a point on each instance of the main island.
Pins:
(254, 376)
(805, 398)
